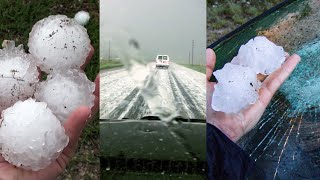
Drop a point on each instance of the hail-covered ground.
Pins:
(33, 110)
(176, 91)
(238, 85)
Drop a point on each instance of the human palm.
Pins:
(73, 128)
(237, 125)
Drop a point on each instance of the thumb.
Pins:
(74, 126)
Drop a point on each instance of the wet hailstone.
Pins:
(18, 75)
(237, 85)
(236, 89)
(31, 136)
(260, 54)
(52, 40)
(65, 91)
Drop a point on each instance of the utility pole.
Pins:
(192, 51)
(109, 58)
(189, 58)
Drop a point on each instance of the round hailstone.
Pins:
(237, 88)
(58, 42)
(82, 17)
(260, 54)
(73, 89)
(31, 136)
(18, 74)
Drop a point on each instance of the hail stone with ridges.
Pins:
(18, 74)
(73, 89)
(59, 42)
(236, 89)
(262, 55)
(31, 136)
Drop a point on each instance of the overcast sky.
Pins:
(159, 27)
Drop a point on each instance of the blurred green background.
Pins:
(17, 19)
(223, 16)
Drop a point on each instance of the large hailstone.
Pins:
(237, 88)
(262, 55)
(58, 42)
(18, 74)
(31, 137)
(72, 88)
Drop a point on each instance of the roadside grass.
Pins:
(223, 16)
(17, 19)
(109, 64)
(199, 68)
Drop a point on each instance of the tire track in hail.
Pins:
(190, 103)
(140, 108)
(116, 112)
(179, 101)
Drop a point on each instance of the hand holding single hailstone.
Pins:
(238, 85)
(31, 135)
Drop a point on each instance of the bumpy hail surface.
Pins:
(18, 75)
(30, 135)
(236, 88)
(260, 54)
(58, 42)
(64, 91)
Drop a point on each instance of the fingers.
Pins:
(270, 85)
(275, 80)
(210, 89)
(74, 126)
(91, 52)
(96, 92)
(211, 61)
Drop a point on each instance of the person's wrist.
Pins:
(232, 132)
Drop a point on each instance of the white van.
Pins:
(162, 61)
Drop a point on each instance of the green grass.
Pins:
(223, 16)
(109, 64)
(199, 68)
(17, 19)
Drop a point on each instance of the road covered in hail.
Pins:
(178, 91)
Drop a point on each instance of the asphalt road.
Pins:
(150, 91)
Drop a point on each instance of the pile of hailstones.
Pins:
(33, 111)
(238, 85)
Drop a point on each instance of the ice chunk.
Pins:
(18, 74)
(82, 17)
(64, 91)
(237, 88)
(58, 42)
(262, 55)
(30, 135)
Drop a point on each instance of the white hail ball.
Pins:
(58, 42)
(65, 91)
(18, 74)
(31, 137)
(82, 17)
